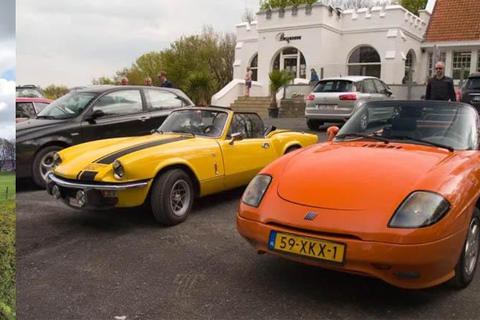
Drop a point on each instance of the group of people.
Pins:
(162, 77)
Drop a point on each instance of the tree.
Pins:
(7, 153)
(342, 4)
(414, 5)
(199, 85)
(54, 92)
(278, 79)
(102, 81)
(248, 15)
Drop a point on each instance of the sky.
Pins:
(7, 69)
(66, 42)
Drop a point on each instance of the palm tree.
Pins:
(278, 79)
(199, 86)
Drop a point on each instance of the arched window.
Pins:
(254, 68)
(409, 67)
(364, 61)
(292, 60)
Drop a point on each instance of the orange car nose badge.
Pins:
(310, 216)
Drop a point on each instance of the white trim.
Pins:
(447, 44)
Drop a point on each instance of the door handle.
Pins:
(266, 145)
(144, 118)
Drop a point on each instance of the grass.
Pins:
(7, 180)
(7, 246)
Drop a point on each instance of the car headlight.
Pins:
(256, 189)
(118, 170)
(420, 209)
(56, 160)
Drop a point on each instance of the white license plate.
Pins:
(326, 106)
(476, 98)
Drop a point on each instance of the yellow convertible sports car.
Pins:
(196, 152)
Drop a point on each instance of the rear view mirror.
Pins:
(238, 136)
(96, 114)
(388, 92)
(332, 132)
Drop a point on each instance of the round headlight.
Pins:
(420, 209)
(256, 189)
(118, 170)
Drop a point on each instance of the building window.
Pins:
(364, 61)
(254, 68)
(292, 60)
(478, 59)
(431, 64)
(461, 60)
(409, 67)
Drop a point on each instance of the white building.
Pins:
(382, 41)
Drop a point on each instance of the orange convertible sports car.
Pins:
(395, 196)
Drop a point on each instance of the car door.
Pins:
(244, 159)
(160, 104)
(380, 113)
(124, 114)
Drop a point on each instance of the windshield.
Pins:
(68, 106)
(334, 86)
(28, 93)
(445, 125)
(473, 84)
(199, 122)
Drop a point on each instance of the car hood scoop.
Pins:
(355, 177)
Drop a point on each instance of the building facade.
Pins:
(386, 42)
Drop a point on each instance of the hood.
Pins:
(354, 176)
(99, 155)
(32, 126)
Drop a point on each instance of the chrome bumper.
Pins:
(105, 187)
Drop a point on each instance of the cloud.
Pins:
(7, 109)
(71, 42)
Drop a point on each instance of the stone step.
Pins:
(253, 99)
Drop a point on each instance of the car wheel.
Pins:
(292, 148)
(42, 164)
(314, 124)
(172, 197)
(467, 264)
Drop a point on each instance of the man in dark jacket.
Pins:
(162, 76)
(440, 87)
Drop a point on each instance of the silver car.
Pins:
(336, 99)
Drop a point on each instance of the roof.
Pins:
(350, 78)
(42, 100)
(457, 20)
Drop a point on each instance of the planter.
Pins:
(269, 14)
(281, 13)
(294, 11)
(308, 10)
(273, 113)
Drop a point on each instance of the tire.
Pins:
(468, 261)
(168, 209)
(43, 163)
(292, 148)
(314, 124)
(363, 124)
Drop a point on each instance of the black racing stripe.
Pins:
(78, 175)
(88, 175)
(114, 156)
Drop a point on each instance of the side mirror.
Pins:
(332, 132)
(238, 136)
(388, 92)
(96, 114)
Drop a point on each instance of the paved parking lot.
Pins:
(102, 265)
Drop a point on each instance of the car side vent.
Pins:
(381, 146)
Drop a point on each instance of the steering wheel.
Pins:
(212, 130)
(193, 129)
(451, 139)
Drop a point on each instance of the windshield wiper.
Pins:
(360, 135)
(46, 117)
(423, 141)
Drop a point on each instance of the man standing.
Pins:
(162, 76)
(148, 81)
(440, 87)
(124, 81)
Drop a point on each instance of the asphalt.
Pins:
(109, 265)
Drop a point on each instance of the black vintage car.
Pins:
(470, 92)
(97, 112)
